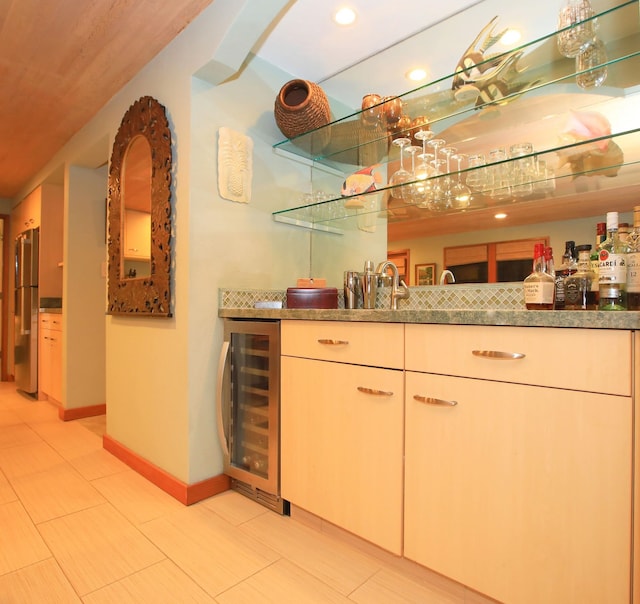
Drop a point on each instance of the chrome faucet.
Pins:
(444, 275)
(399, 288)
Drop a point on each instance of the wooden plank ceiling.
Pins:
(61, 61)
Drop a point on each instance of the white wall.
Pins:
(84, 287)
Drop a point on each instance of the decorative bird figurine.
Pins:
(365, 180)
(488, 78)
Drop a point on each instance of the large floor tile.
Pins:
(388, 587)
(7, 493)
(281, 582)
(41, 493)
(162, 583)
(97, 464)
(17, 434)
(334, 563)
(40, 582)
(209, 549)
(135, 497)
(31, 458)
(70, 439)
(9, 417)
(233, 507)
(97, 547)
(20, 542)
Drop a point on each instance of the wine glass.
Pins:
(424, 170)
(412, 191)
(461, 193)
(401, 176)
(448, 182)
(576, 27)
(436, 197)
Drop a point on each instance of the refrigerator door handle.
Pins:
(222, 364)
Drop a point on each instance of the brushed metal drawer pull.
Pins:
(374, 392)
(434, 401)
(496, 355)
(329, 342)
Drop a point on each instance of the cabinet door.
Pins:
(44, 360)
(520, 492)
(55, 344)
(341, 443)
(137, 235)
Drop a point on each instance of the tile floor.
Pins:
(77, 525)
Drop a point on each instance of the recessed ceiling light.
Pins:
(344, 16)
(416, 75)
(500, 216)
(510, 37)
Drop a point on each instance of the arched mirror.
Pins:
(140, 213)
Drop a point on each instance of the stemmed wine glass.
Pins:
(422, 186)
(402, 176)
(436, 198)
(461, 193)
(412, 191)
(448, 182)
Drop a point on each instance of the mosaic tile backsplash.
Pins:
(486, 296)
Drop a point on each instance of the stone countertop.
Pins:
(53, 311)
(519, 318)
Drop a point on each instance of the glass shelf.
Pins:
(540, 107)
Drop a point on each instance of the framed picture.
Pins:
(425, 274)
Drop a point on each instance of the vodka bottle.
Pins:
(577, 286)
(568, 267)
(633, 263)
(601, 235)
(539, 286)
(613, 268)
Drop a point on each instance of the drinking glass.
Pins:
(577, 25)
(401, 176)
(461, 193)
(523, 171)
(476, 177)
(590, 68)
(498, 174)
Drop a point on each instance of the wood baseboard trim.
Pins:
(79, 412)
(183, 492)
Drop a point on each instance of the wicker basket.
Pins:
(302, 106)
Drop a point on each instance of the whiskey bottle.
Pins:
(612, 268)
(568, 267)
(633, 263)
(601, 235)
(577, 286)
(539, 286)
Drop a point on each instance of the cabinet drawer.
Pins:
(374, 344)
(574, 359)
(51, 321)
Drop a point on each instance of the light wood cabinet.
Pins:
(519, 490)
(137, 235)
(341, 428)
(50, 357)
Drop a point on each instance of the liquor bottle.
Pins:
(549, 268)
(613, 268)
(577, 286)
(539, 286)
(633, 263)
(568, 267)
(601, 235)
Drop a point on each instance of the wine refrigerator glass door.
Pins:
(250, 403)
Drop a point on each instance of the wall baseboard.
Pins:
(79, 412)
(184, 493)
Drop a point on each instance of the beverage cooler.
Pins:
(248, 409)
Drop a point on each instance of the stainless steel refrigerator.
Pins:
(26, 311)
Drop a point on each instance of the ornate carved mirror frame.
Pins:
(149, 295)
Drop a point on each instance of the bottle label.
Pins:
(539, 292)
(633, 272)
(612, 268)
